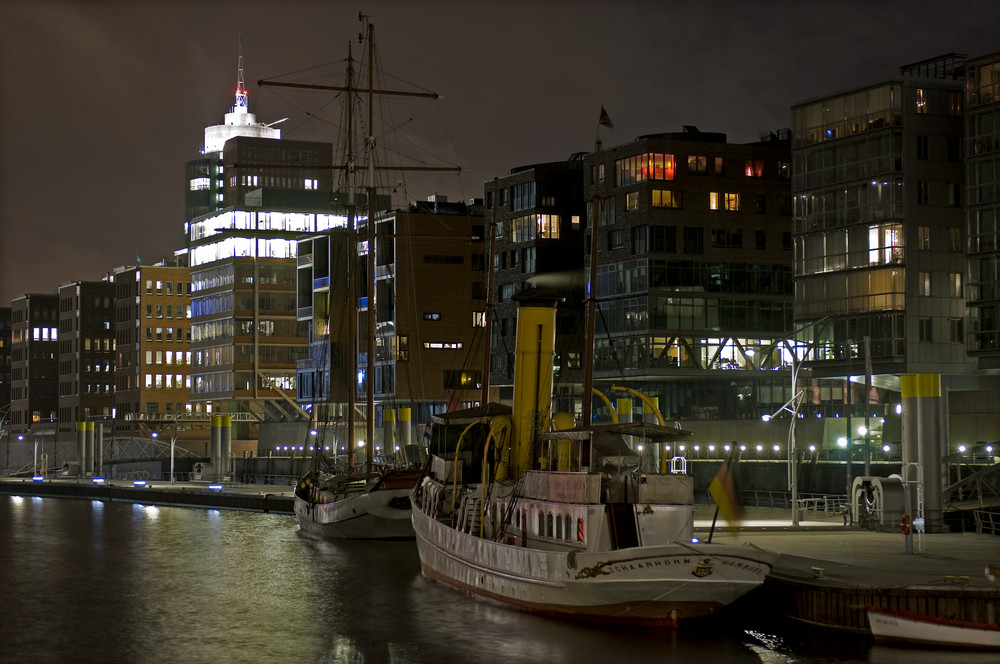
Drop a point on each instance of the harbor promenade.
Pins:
(827, 573)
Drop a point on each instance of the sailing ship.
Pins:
(352, 503)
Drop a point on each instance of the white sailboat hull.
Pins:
(380, 513)
(660, 584)
(909, 629)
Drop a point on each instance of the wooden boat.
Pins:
(902, 628)
(372, 506)
(569, 522)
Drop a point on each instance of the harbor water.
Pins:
(92, 581)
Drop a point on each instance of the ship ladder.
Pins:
(470, 518)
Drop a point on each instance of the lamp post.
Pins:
(792, 407)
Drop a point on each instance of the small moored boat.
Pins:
(902, 628)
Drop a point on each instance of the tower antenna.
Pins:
(241, 88)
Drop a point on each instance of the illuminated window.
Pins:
(642, 167)
(197, 184)
(720, 168)
(921, 101)
(443, 345)
(713, 201)
(664, 198)
(548, 226)
(698, 164)
(754, 168)
(478, 319)
(733, 202)
(632, 200)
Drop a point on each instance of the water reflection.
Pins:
(116, 582)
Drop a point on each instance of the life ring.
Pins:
(904, 524)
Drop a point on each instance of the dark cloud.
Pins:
(102, 102)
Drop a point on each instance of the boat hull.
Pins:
(900, 628)
(383, 513)
(659, 585)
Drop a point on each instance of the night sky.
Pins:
(102, 103)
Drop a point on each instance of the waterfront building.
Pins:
(880, 242)
(153, 356)
(5, 340)
(249, 197)
(86, 354)
(34, 366)
(982, 207)
(694, 284)
(538, 243)
(429, 313)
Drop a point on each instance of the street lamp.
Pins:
(792, 407)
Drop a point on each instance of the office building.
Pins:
(694, 287)
(34, 365)
(250, 197)
(537, 242)
(982, 207)
(429, 313)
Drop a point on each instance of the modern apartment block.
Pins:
(429, 313)
(982, 207)
(34, 364)
(694, 282)
(879, 225)
(153, 356)
(537, 242)
(86, 354)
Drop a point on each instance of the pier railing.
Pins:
(816, 503)
(987, 522)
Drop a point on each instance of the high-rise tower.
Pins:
(249, 197)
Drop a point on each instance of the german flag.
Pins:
(725, 493)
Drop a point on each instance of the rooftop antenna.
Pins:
(241, 88)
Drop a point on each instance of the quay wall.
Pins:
(844, 607)
(176, 497)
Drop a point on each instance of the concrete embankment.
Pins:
(258, 498)
(828, 574)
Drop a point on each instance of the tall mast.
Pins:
(588, 354)
(488, 322)
(370, 371)
(352, 253)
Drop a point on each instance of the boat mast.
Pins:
(588, 353)
(484, 397)
(370, 227)
(352, 250)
